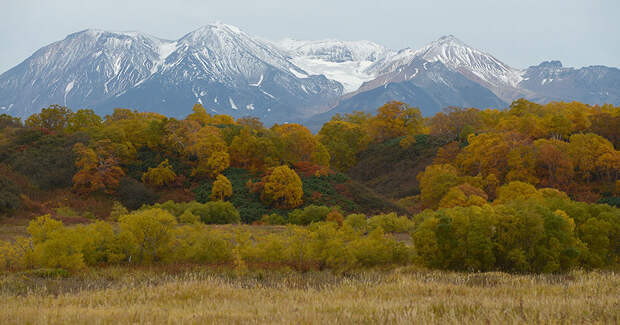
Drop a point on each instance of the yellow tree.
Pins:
(160, 175)
(84, 120)
(395, 119)
(222, 188)
(251, 152)
(298, 143)
(343, 140)
(553, 162)
(54, 118)
(200, 115)
(516, 190)
(283, 188)
(210, 150)
(585, 151)
(435, 182)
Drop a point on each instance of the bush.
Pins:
(133, 194)
(308, 215)
(149, 233)
(217, 212)
(528, 235)
(612, 200)
(188, 217)
(273, 219)
(203, 246)
(117, 210)
(357, 222)
(390, 223)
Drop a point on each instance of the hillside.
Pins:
(392, 170)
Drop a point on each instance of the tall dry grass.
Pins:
(405, 295)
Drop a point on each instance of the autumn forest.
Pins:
(92, 203)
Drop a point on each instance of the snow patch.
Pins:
(260, 81)
(546, 81)
(68, 89)
(268, 94)
(351, 74)
(232, 104)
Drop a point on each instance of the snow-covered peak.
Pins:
(450, 39)
(334, 50)
(461, 57)
(458, 56)
(228, 47)
(214, 30)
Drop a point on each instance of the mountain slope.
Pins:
(218, 65)
(472, 63)
(232, 72)
(85, 69)
(549, 81)
(429, 86)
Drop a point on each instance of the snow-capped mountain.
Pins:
(218, 65)
(85, 69)
(474, 64)
(429, 86)
(343, 61)
(232, 72)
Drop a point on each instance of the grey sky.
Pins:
(518, 32)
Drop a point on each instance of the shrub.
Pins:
(335, 216)
(56, 246)
(149, 233)
(357, 222)
(217, 212)
(117, 210)
(612, 200)
(308, 215)
(390, 223)
(188, 217)
(202, 246)
(133, 194)
(273, 219)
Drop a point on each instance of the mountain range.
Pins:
(231, 72)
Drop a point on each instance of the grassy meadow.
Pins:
(198, 295)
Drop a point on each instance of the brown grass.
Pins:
(405, 295)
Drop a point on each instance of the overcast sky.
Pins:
(519, 32)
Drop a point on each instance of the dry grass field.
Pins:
(196, 295)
